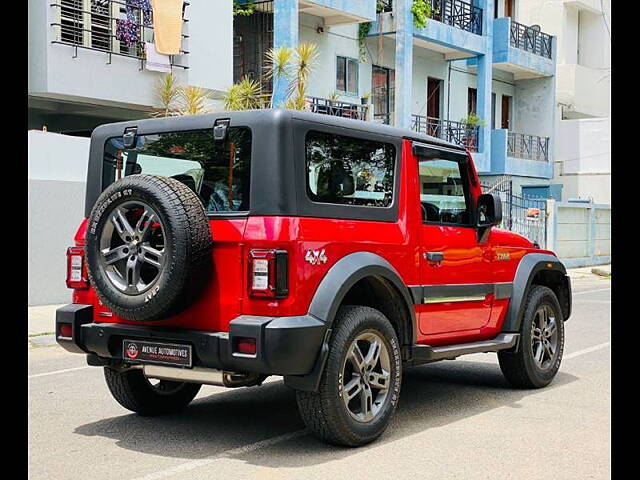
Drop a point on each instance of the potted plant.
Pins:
(470, 123)
(365, 98)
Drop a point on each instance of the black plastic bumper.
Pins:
(284, 345)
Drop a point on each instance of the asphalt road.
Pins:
(456, 419)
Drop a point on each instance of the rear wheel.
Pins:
(539, 354)
(360, 386)
(139, 394)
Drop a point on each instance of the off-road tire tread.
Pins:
(130, 390)
(318, 409)
(514, 364)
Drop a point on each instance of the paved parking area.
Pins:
(456, 419)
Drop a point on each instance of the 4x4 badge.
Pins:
(315, 257)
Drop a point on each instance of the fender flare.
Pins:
(529, 266)
(343, 275)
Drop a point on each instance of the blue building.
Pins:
(472, 57)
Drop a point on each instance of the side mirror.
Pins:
(489, 210)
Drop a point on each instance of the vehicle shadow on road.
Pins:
(432, 396)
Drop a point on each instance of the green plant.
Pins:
(244, 95)
(334, 97)
(363, 31)
(193, 100)
(421, 10)
(243, 10)
(472, 121)
(305, 56)
(176, 99)
(167, 92)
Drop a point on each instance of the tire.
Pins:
(135, 392)
(325, 412)
(521, 368)
(158, 240)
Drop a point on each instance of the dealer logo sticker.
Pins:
(132, 350)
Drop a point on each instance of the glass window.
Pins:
(347, 75)
(219, 172)
(443, 192)
(349, 171)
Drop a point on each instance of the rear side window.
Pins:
(349, 171)
(219, 172)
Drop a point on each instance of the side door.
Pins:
(455, 268)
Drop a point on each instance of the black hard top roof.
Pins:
(264, 115)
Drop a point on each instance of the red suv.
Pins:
(221, 249)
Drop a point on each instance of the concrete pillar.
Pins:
(404, 63)
(485, 75)
(285, 34)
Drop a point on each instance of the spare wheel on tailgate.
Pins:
(148, 247)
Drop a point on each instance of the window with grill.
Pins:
(71, 21)
(100, 31)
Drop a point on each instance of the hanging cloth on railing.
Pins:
(143, 6)
(167, 25)
(127, 32)
(157, 62)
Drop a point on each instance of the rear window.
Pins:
(349, 171)
(219, 172)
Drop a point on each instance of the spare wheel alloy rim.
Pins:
(132, 247)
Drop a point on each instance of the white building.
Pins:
(583, 92)
(81, 75)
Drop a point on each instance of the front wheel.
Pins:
(538, 357)
(360, 386)
(139, 394)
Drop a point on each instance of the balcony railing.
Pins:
(530, 39)
(337, 108)
(451, 131)
(115, 27)
(530, 147)
(458, 14)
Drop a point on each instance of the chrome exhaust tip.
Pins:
(206, 376)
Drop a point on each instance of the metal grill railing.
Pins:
(530, 147)
(93, 25)
(336, 108)
(530, 39)
(455, 132)
(457, 13)
(523, 215)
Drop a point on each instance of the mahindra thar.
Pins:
(221, 249)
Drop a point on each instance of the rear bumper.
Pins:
(284, 345)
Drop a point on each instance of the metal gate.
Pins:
(526, 216)
(252, 38)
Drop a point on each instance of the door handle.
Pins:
(436, 257)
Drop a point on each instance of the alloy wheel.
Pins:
(366, 376)
(544, 337)
(132, 247)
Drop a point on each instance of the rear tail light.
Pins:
(245, 345)
(66, 330)
(76, 268)
(268, 273)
